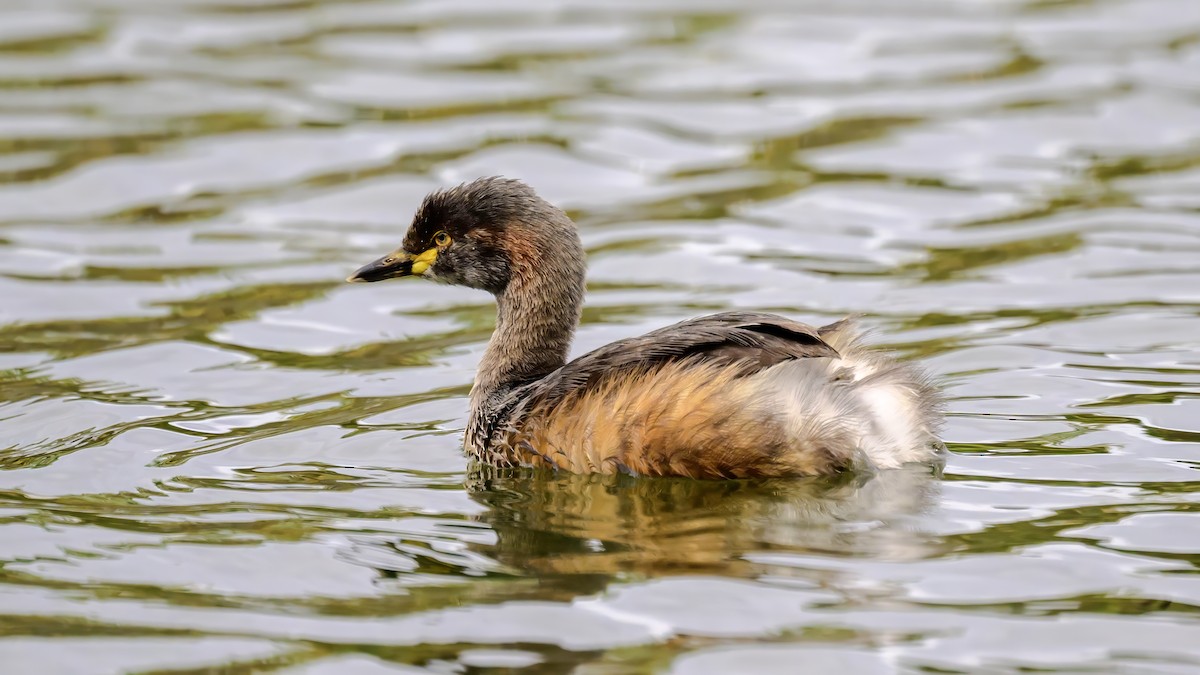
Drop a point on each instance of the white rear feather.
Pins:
(886, 411)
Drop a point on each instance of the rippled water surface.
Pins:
(217, 457)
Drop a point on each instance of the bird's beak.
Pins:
(390, 266)
(394, 265)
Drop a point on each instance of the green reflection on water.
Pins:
(110, 483)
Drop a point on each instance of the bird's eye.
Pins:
(441, 239)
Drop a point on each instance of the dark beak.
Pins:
(390, 266)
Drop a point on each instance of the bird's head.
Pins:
(480, 235)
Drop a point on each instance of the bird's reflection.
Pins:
(602, 527)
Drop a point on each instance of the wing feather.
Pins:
(749, 341)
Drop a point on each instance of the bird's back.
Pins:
(730, 395)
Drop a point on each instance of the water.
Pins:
(217, 457)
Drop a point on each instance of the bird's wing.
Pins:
(749, 341)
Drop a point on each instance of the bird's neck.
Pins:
(536, 316)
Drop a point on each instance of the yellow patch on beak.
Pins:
(423, 261)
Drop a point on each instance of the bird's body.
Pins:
(731, 395)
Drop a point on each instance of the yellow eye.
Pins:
(441, 239)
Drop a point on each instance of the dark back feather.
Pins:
(752, 341)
